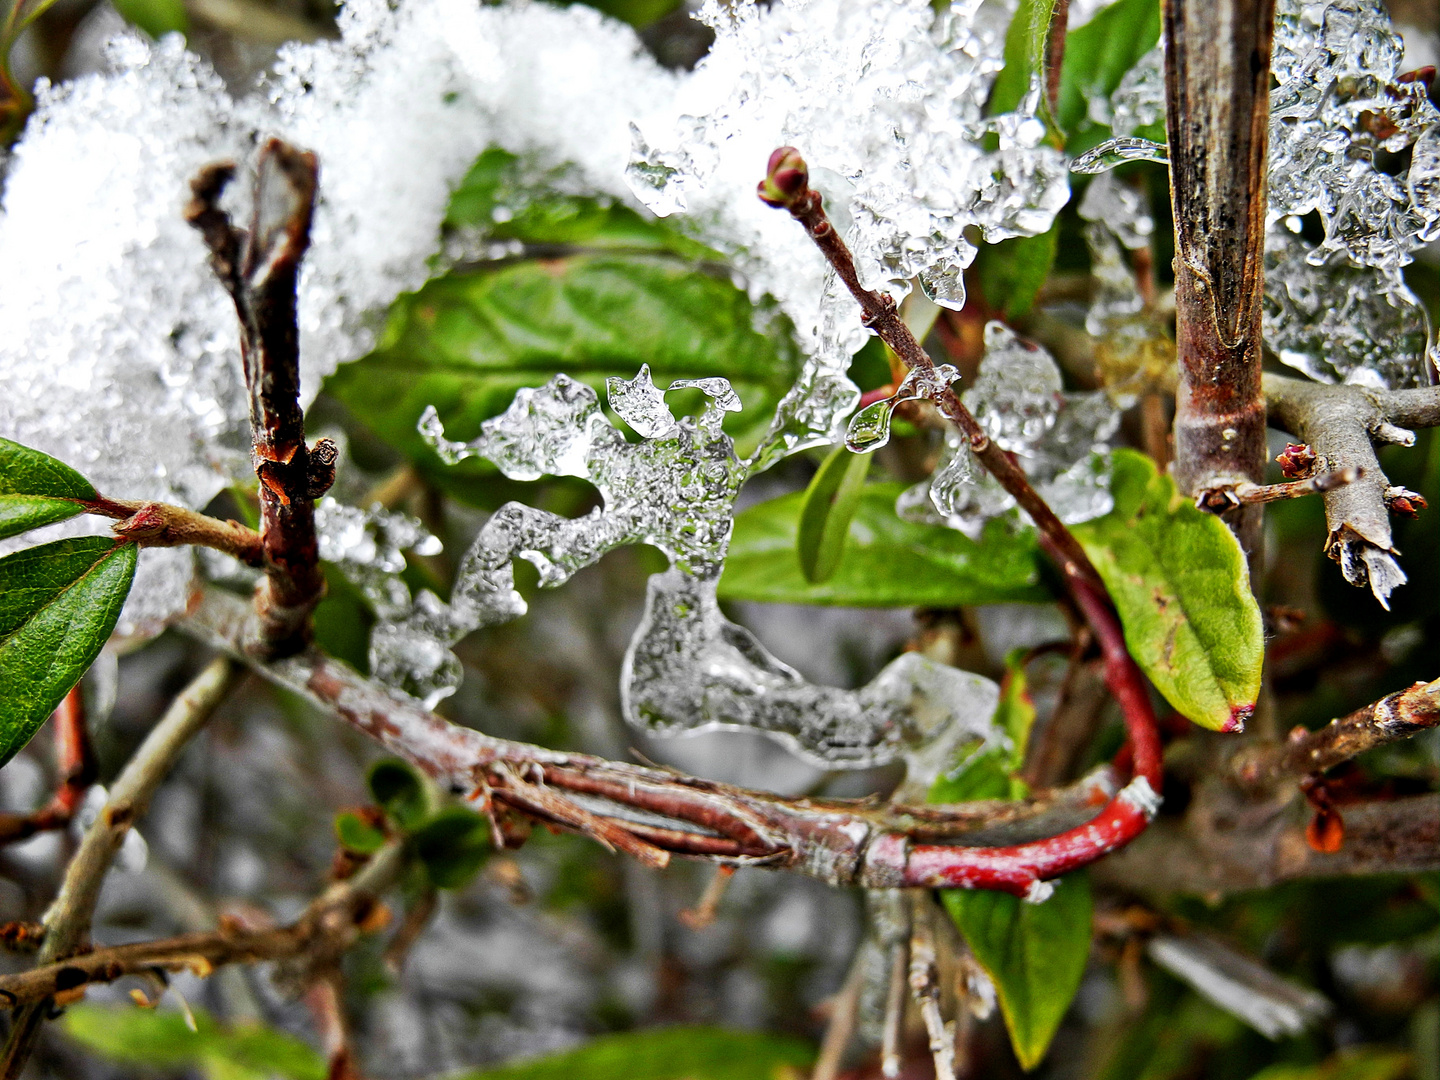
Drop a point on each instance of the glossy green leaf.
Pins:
(1026, 47)
(453, 845)
(467, 342)
(155, 1039)
(58, 604)
(672, 1053)
(401, 792)
(887, 562)
(826, 511)
(357, 835)
(1098, 55)
(1179, 580)
(36, 489)
(638, 13)
(1012, 271)
(156, 17)
(1034, 953)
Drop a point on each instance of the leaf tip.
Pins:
(1238, 715)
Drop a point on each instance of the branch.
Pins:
(327, 928)
(1342, 424)
(152, 524)
(259, 268)
(67, 923)
(1217, 112)
(75, 764)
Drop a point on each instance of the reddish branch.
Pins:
(152, 524)
(1217, 94)
(75, 766)
(259, 267)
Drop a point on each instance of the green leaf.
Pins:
(162, 1040)
(467, 342)
(1012, 271)
(825, 513)
(1098, 55)
(401, 791)
(1026, 47)
(156, 17)
(673, 1053)
(357, 835)
(36, 489)
(886, 562)
(58, 604)
(991, 773)
(343, 621)
(1179, 580)
(638, 13)
(1034, 953)
(453, 845)
(1352, 1063)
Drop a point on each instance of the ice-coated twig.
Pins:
(67, 923)
(1342, 424)
(925, 984)
(75, 766)
(260, 267)
(324, 931)
(1217, 116)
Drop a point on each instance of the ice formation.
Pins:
(1059, 438)
(688, 667)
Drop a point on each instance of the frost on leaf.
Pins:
(688, 667)
(1060, 440)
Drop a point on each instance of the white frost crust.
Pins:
(1139, 794)
(1039, 892)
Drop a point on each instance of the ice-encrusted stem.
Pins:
(1217, 115)
(1342, 424)
(259, 267)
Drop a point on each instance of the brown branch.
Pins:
(1055, 54)
(75, 764)
(152, 524)
(1398, 716)
(314, 942)
(259, 267)
(1217, 106)
(1342, 424)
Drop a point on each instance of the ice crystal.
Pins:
(1059, 439)
(688, 667)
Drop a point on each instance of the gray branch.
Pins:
(1343, 424)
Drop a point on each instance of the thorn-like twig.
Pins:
(1219, 500)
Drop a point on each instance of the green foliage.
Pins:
(156, 17)
(163, 1040)
(1012, 271)
(401, 792)
(614, 290)
(1027, 44)
(826, 511)
(991, 773)
(1179, 580)
(343, 621)
(58, 604)
(356, 834)
(886, 562)
(1355, 1063)
(1035, 953)
(452, 845)
(674, 1053)
(36, 489)
(1098, 55)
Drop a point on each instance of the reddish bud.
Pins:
(1424, 75)
(1326, 831)
(786, 177)
(1404, 502)
(1296, 461)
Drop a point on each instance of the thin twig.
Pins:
(844, 1010)
(925, 984)
(75, 765)
(259, 267)
(1220, 500)
(67, 923)
(152, 524)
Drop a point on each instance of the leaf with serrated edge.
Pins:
(1034, 953)
(825, 514)
(58, 604)
(887, 562)
(36, 489)
(1179, 580)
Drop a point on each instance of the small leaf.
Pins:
(453, 845)
(156, 17)
(991, 773)
(401, 792)
(1034, 953)
(673, 1053)
(1027, 44)
(825, 513)
(1179, 580)
(156, 1039)
(1100, 53)
(36, 489)
(358, 835)
(886, 562)
(1012, 271)
(58, 604)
